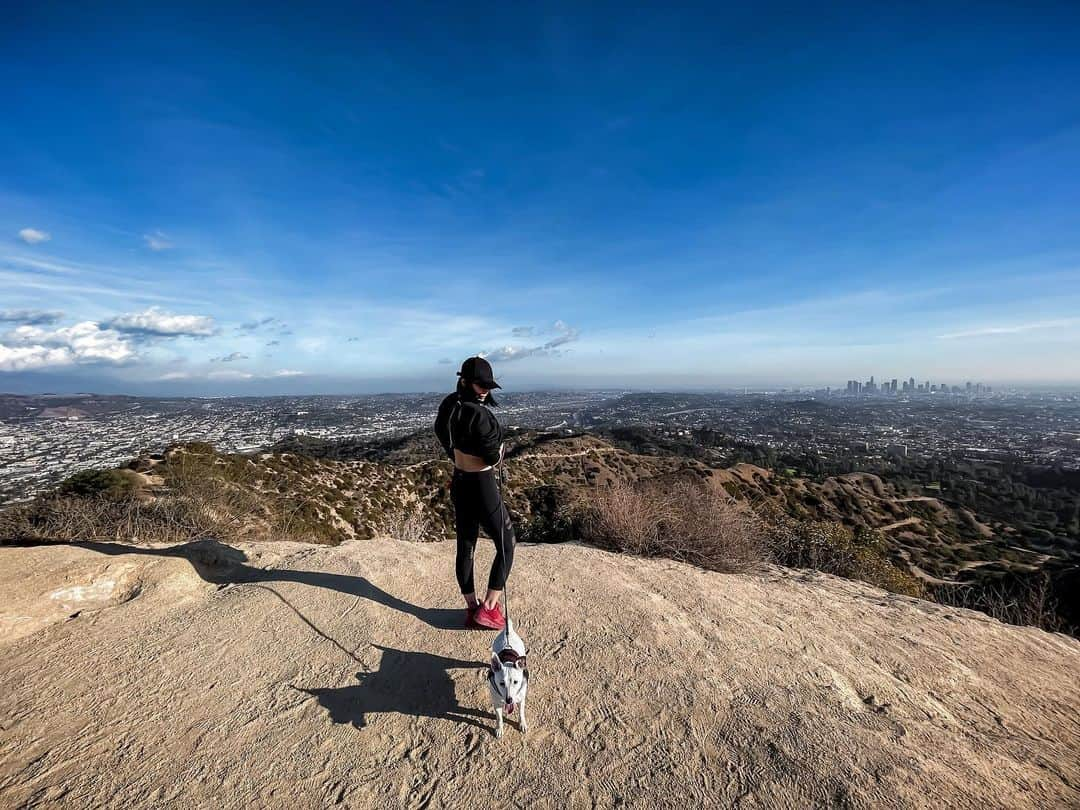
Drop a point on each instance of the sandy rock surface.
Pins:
(283, 675)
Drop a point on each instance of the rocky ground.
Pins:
(288, 675)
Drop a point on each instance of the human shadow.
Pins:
(221, 564)
(417, 684)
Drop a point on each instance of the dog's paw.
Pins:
(524, 727)
(498, 732)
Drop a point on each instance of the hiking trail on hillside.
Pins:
(296, 676)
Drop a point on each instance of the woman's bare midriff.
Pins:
(468, 462)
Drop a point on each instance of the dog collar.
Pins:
(508, 656)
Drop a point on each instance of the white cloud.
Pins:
(287, 372)
(230, 375)
(32, 236)
(158, 241)
(28, 358)
(174, 375)
(155, 322)
(1011, 330)
(31, 347)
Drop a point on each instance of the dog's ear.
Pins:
(520, 663)
(496, 664)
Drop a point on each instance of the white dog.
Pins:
(508, 677)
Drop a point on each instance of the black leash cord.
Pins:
(502, 538)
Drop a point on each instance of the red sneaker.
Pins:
(470, 618)
(490, 618)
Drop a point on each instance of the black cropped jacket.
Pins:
(465, 423)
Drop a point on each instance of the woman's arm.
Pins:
(487, 436)
(442, 429)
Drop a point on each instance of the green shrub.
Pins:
(103, 483)
(834, 548)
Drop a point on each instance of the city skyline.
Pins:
(895, 385)
(681, 200)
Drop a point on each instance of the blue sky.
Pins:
(262, 200)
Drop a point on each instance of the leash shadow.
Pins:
(415, 684)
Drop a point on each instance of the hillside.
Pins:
(325, 491)
(928, 535)
(291, 675)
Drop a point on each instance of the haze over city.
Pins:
(259, 202)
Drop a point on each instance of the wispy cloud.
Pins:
(229, 374)
(269, 323)
(1011, 329)
(47, 265)
(158, 241)
(564, 333)
(155, 322)
(230, 358)
(56, 286)
(33, 236)
(312, 345)
(30, 317)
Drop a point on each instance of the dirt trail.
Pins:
(905, 522)
(328, 676)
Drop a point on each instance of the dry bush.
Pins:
(680, 519)
(410, 525)
(222, 497)
(1027, 601)
(75, 518)
(205, 494)
(235, 498)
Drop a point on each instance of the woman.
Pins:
(472, 438)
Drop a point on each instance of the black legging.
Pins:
(477, 503)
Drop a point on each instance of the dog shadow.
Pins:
(416, 684)
(221, 564)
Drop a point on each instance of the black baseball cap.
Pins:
(478, 370)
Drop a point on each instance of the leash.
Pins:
(502, 538)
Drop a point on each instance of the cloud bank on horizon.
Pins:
(693, 199)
